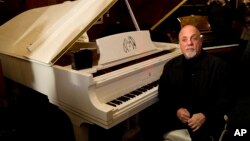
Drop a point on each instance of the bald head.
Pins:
(188, 28)
(190, 41)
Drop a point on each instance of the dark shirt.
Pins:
(200, 84)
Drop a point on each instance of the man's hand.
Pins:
(183, 114)
(196, 121)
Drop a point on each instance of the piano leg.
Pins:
(126, 131)
(81, 128)
(133, 129)
(82, 132)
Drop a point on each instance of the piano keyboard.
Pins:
(129, 96)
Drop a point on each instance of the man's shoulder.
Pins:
(174, 61)
(217, 61)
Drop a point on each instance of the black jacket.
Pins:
(201, 85)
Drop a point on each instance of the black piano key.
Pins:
(142, 90)
(117, 102)
(154, 84)
(130, 95)
(151, 85)
(147, 87)
(136, 92)
(111, 104)
(123, 98)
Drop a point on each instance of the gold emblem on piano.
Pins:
(129, 44)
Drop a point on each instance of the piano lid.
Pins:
(151, 13)
(148, 14)
(44, 34)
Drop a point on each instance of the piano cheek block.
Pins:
(81, 59)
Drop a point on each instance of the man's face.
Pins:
(190, 41)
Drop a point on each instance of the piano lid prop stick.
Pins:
(132, 16)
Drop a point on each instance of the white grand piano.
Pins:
(121, 83)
